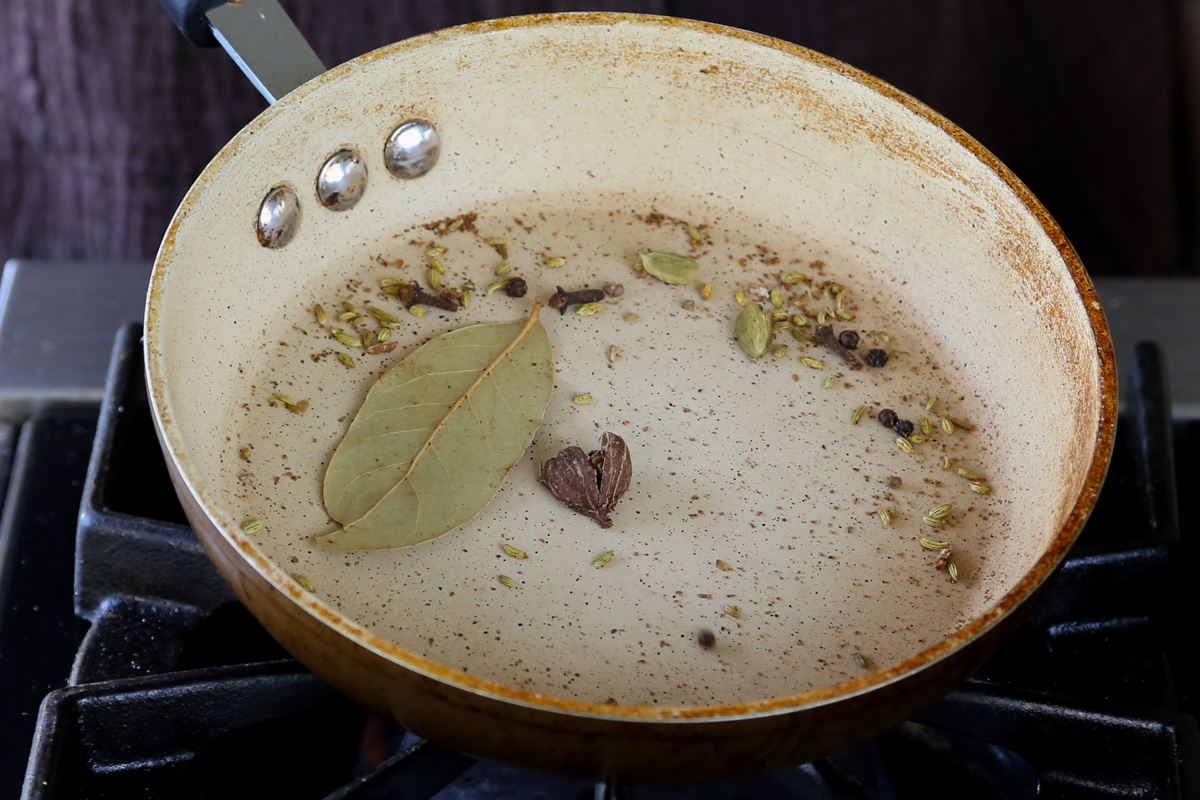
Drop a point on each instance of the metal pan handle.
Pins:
(259, 36)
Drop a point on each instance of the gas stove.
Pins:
(128, 669)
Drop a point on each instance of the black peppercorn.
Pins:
(888, 418)
(706, 638)
(877, 357)
(904, 427)
(849, 339)
(516, 287)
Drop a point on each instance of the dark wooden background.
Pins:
(107, 114)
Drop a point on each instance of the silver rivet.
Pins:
(342, 180)
(412, 149)
(278, 217)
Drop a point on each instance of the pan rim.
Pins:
(1053, 554)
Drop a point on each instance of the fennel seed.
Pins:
(503, 269)
(940, 511)
(515, 552)
(776, 298)
(952, 571)
(929, 544)
(791, 277)
(971, 476)
(507, 581)
(347, 339)
(947, 425)
(435, 279)
(613, 354)
(829, 382)
(497, 286)
(582, 399)
(252, 526)
(981, 488)
(244, 453)
(732, 611)
(303, 581)
(382, 316)
(346, 316)
(695, 234)
(706, 291)
(383, 335)
(602, 560)
(858, 413)
(587, 309)
(740, 297)
(926, 428)
(345, 359)
(905, 445)
(812, 363)
(780, 351)
(886, 515)
(319, 312)
(556, 262)
(933, 522)
(453, 226)
(434, 252)
(416, 310)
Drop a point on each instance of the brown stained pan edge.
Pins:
(1035, 577)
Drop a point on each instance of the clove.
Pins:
(411, 294)
(562, 300)
(824, 336)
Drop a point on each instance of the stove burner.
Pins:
(176, 690)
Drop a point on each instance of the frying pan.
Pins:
(753, 514)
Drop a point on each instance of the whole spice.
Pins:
(888, 418)
(319, 313)
(588, 309)
(849, 339)
(905, 428)
(582, 399)
(947, 425)
(943, 558)
(614, 289)
(505, 375)
(507, 581)
(590, 483)
(876, 357)
(858, 412)
(791, 277)
(244, 453)
(252, 526)
(694, 234)
(410, 294)
(905, 445)
(303, 581)
(824, 336)
(602, 560)
(613, 354)
(562, 299)
(516, 287)
(556, 262)
(515, 552)
(706, 291)
(706, 638)
(669, 267)
(753, 331)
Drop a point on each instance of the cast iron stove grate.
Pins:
(176, 692)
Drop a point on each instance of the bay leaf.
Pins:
(437, 434)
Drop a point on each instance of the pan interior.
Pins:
(753, 508)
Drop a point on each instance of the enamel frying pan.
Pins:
(758, 609)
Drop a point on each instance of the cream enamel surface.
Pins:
(732, 460)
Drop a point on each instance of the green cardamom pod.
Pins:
(670, 268)
(753, 331)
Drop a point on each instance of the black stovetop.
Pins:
(154, 682)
